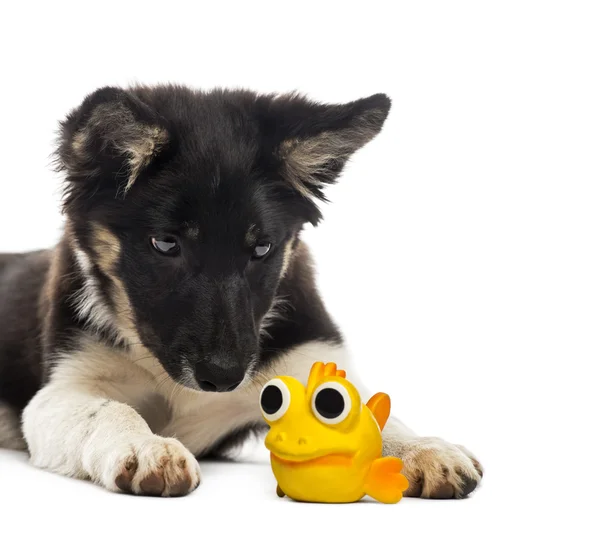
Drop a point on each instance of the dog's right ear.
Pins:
(313, 141)
(108, 141)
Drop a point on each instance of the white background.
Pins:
(460, 254)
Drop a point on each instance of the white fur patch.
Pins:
(89, 302)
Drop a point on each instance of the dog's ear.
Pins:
(314, 141)
(108, 141)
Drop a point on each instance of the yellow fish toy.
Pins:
(325, 443)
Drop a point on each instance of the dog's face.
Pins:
(186, 208)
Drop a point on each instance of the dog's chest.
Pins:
(199, 419)
(155, 410)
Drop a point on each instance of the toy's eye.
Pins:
(331, 402)
(165, 245)
(274, 399)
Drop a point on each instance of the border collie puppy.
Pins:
(180, 286)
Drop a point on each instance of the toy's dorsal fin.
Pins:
(316, 372)
(321, 370)
(380, 405)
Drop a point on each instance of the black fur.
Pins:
(219, 172)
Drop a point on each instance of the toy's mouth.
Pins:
(316, 458)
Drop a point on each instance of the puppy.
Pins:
(180, 286)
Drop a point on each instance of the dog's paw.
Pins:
(435, 468)
(155, 466)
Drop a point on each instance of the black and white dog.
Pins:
(180, 286)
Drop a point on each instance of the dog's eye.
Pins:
(261, 250)
(165, 245)
(331, 403)
(274, 399)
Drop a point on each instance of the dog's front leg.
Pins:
(81, 432)
(435, 468)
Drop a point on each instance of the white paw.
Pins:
(153, 466)
(435, 468)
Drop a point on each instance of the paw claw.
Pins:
(153, 484)
(445, 491)
(469, 485)
(181, 487)
(124, 479)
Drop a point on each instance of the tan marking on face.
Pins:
(288, 252)
(107, 248)
(53, 279)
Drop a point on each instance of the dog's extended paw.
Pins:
(155, 466)
(435, 468)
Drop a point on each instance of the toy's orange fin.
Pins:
(385, 482)
(319, 371)
(380, 405)
(330, 369)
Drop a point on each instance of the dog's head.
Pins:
(185, 208)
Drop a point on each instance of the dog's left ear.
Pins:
(314, 141)
(107, 142)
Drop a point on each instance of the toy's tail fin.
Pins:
(385, 482)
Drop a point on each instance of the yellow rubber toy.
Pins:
(325, 443)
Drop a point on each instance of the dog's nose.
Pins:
(215, 378)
